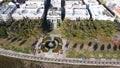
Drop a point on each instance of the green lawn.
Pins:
(19, 35)
(84, 32)
(17, 44)
(101, 50)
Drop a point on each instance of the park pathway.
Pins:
(76, 61)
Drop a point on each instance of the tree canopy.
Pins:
(88, 29)
(20, 28)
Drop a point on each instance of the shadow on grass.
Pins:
(75, 45)
(67, 44)
(9, 38)
(109, 46)
(22, 42)
(90, 43)
(19, 39)
(95, 47)
(115, 47)
(119, 47)
(35, 42)
(14, 39)
(81, 46)
(102, 47)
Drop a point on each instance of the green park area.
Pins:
(19, 35)
(88, 38)
(91, 39)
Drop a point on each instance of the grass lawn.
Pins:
(17, 44)
(93, 50)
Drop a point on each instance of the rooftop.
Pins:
(1, 0)
(81, 12)
(56, 3)
(77, 12)
(54, 12)
(32, 4)
(117, 9)
(73, 4)
(91, 1)
(100, 12)
(28, 11)
(6, 9)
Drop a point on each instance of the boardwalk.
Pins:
(80, 61)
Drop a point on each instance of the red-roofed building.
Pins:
(117, 11)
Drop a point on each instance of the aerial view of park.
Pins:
(59, 34)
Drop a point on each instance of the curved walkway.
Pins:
(81, 61)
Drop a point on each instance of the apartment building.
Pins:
(99, 12)
(30, 9)
(75, 10)
(6, 11)
(54, 14)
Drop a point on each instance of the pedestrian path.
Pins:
(76, 61)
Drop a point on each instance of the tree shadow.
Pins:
(67, 44)
(109, 46)
(119, 47)
(90, 43)
(35, 42)
(19, 39)
(102, 47)
(21, 43)
(75, 45)
(95, 47)
(81, 46)
(9, 38)
(115, 47)
(14, 39)
(45, 24)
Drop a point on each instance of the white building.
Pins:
(31, 10)
(99, 12)
(1, 1)
(31, 4)
(6, 11)
(27, 13)
(114, 6)
(56, 3)
(76, 11)
(77, 14)
(91, 2)
(54, 14)
(111, 2)
(70, 3)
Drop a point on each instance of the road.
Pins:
(80, 61)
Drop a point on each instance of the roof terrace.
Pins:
(32, 4)
(89, 2)
(76, 10)
(56, 3)
(29, 13)
(6, 9)
(74, 14)
(71, 3)
(54, 12)
(99, 12)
